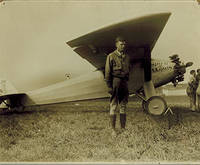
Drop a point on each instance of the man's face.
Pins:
(120, 45)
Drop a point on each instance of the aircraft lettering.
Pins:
(160, 68)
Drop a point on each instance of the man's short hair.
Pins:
(192, 71)
(119, 38)
(198, 70)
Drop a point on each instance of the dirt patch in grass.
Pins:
(80, 132)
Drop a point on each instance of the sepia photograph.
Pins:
(109, 82)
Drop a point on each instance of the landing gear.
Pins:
(17, 107)
(155, 105)
(144, 104)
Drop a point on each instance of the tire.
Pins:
(156, 105)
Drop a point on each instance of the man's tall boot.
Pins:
(123, 121)
(113, 123)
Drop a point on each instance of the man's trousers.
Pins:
(119, 96)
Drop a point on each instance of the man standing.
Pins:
(198, 89)
(191, 89)
(116, 76)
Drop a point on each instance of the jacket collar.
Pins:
(122, 55)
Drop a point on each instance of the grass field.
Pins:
(80, 132)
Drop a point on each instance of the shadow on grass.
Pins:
(10, 113)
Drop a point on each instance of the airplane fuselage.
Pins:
(92, 85)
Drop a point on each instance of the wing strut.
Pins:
(149, 88)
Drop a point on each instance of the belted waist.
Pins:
(121, 75)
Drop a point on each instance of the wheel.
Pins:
(156, 105)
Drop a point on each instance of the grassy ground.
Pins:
(79, 131)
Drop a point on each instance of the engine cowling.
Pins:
(179, 69)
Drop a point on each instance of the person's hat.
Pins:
(192, 71)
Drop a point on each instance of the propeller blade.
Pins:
(173, 57)
(188, 64)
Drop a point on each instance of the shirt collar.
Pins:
(120, 54)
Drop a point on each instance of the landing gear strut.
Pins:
(155, 105)
(16, 107)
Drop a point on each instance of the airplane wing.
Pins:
(95, 46)
(13, 100)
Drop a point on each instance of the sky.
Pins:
(33, 35)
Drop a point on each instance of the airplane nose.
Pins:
(179, 69)
(182, 69)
